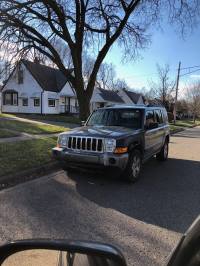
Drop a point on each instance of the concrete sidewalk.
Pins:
(41, 122)
(26, 136)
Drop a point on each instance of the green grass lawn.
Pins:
(31, 128)
(4, 133)
(187, 123)
(54, 118)
(182, 124)
(23, 155)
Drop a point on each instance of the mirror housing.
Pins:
(83, 123)
(187, 251)
(91, 249)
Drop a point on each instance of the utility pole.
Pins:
(176, 96)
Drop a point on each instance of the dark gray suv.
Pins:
(118, 137)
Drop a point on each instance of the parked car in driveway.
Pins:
(117, 137)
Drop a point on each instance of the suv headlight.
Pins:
(110, 145)
(62, 140)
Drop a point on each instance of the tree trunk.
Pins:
(194, 118)
(84, 108)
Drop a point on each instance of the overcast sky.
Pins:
(167, 47)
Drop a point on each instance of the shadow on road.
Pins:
(167, 194)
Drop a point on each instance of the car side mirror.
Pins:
(187, 252)
(152, 125)
(82, 123)
(59, 253)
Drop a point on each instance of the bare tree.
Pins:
(193, 98)
(163, 88)
(120, 84)
(182, 107)
(106, 76)
(92, 25)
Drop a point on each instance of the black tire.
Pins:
(133, 168)
(163, 154)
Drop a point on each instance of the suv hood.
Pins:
(102, 131)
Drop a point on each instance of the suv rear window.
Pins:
(165, 116)
(158, 116)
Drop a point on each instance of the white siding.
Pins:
(28, 87)
(46, 108)
(124, 97)
(140, 100)
(96, 97)
(67, 91)
(0, 101)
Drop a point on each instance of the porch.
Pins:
(64, 108)
(68, 105)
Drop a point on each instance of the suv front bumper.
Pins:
(90, 160)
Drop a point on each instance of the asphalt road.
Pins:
(145, 220)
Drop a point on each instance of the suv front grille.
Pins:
(85, 144)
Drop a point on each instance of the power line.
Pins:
(183, 68)
(190, 72)
(189, 67)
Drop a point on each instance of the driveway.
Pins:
(145, 220)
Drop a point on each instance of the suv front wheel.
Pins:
(133, 168)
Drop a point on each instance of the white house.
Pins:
(102, 97)
(131, 97)
(36, 88)
(0, 97)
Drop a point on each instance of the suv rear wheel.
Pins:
(163, 154)
(133, 168)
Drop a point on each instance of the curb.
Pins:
(176, 131)
(27, 175)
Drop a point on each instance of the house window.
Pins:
(10, 98)
(36, 102)
(51, 102)
(25, 101)
(20, 75)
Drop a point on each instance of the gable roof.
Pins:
(50, 79)
(133, 96)
(110, 96)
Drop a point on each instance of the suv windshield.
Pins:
(130, 118)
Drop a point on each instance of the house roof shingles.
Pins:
(110, 96)
(50, 79)
(133, 96)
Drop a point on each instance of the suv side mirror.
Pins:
(187, 251)
(82, 123)
(59, 252)
(152, 125)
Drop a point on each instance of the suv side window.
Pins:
(158, 116)
(149, 118)
(165, 116)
